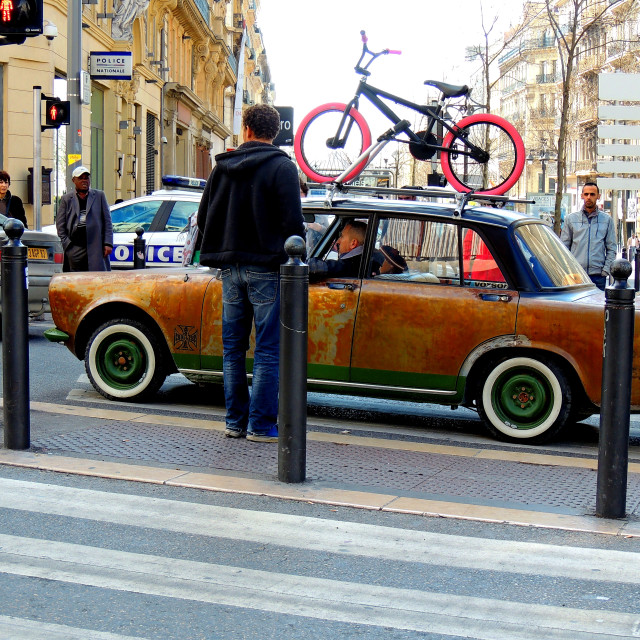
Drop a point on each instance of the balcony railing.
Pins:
(546, 78)
(593, 60)
(614, 49)
(585, 165)
(544, 42)
(233, 63)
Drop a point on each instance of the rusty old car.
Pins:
(488, 310)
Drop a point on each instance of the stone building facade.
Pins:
(530, 88)
(171, 117)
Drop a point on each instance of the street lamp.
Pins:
(542, 157)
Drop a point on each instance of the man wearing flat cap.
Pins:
(84, 226)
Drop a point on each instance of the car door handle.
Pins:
(341, 285)
(494, 297)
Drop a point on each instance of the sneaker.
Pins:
(234, 433)
(269, 436)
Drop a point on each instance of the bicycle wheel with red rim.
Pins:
(499, 165)
(324, 149)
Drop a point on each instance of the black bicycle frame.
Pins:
(372, 93)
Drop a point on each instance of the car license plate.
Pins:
(37, 253)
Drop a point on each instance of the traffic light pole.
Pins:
(37, 158)
(74, 67)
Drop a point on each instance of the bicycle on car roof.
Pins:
(482, 152)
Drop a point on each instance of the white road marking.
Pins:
(340, 601)
(355, 539)
(23, 629)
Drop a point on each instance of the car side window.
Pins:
(138, 214)
(421, 251)
(480, 267)
(179, 217)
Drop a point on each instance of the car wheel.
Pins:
(524, 399)
(124, 360)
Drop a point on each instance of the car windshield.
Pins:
(553, 265)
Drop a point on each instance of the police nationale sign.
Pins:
(111, 65)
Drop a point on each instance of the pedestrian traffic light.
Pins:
(21, 17)
(58, 112)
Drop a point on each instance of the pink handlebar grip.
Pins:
(394, 51)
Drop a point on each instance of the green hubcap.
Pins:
(121, 362)
(522, 399)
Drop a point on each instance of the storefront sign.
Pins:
(111, 65)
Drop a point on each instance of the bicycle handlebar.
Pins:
(365, 50)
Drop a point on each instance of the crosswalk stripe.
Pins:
(341, 601)
(12, 628)
(349, 538)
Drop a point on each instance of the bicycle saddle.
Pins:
(449, 90)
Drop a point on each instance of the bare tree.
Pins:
(571, 21)
(490, 48)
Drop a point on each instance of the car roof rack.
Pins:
(462, 199)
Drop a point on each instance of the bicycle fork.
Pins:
(371, 152)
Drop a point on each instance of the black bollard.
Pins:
(613, 448)
(636, 259)
(15, 339)
(292, 407)
(139, 250)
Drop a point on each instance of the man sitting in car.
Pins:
(349, 245)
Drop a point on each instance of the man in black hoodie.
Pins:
(250, 206)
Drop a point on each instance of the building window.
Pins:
(97, 138)
(151, 153)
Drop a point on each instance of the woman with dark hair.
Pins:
(10, 205)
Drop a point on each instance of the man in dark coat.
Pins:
(84, 226)
(250, 206)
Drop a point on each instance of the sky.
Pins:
(313, 46)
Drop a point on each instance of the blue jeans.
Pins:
(251, 294)
(599, 281)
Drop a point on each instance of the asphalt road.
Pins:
(112, 560)
(100, 559)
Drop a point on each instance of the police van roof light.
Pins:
(180, 182)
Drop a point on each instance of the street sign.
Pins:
(85, 87)
(620, 149)
(619, 131)
(618, 112)
(111, 65)
(631, 184)
(614, 157)
(618, 166)
(285, 137)
(618, 86)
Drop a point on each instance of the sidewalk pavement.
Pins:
(398, 472)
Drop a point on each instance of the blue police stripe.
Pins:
(167, 254)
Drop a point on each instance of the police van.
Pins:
(164, 217)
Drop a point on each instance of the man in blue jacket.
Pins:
(250, 206)
(591, 236)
